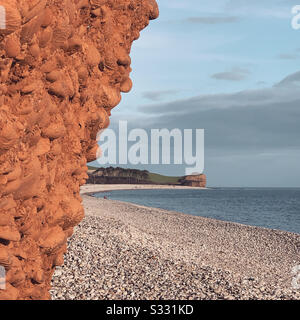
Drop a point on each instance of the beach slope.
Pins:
(126, 251)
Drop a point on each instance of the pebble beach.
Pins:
(122, 251)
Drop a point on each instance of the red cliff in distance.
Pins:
(194, 181)
(63, 67)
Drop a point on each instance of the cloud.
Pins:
(288, 56)
(291, 81)
(158, 95)
(236, 74)
(251, 136)
(213, 20)
(264, 119)
(261, 83)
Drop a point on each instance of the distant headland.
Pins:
(118, 175)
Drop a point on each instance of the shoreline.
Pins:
(117, 187)
(128, 251)
(90, 189)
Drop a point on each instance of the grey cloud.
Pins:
(235, 74)
(291, 81)
(158, 95)
(252, 136)
(252, 119)
(213, 20)
(288, 56)
(261, 83)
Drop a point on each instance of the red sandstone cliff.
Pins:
(63, 65)
(194, 181)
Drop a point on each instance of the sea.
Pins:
(274, 208)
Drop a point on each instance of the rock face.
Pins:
(194, 181)
(63, 67)
(118, 176)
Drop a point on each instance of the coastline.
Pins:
(90, 189)
(129, 251)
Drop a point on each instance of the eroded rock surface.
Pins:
(63, 67)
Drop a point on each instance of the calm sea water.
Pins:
(270, 208)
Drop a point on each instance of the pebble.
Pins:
(124, 252)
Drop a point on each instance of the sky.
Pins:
(230, 67)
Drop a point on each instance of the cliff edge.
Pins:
(198, 180)
(63, 67)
